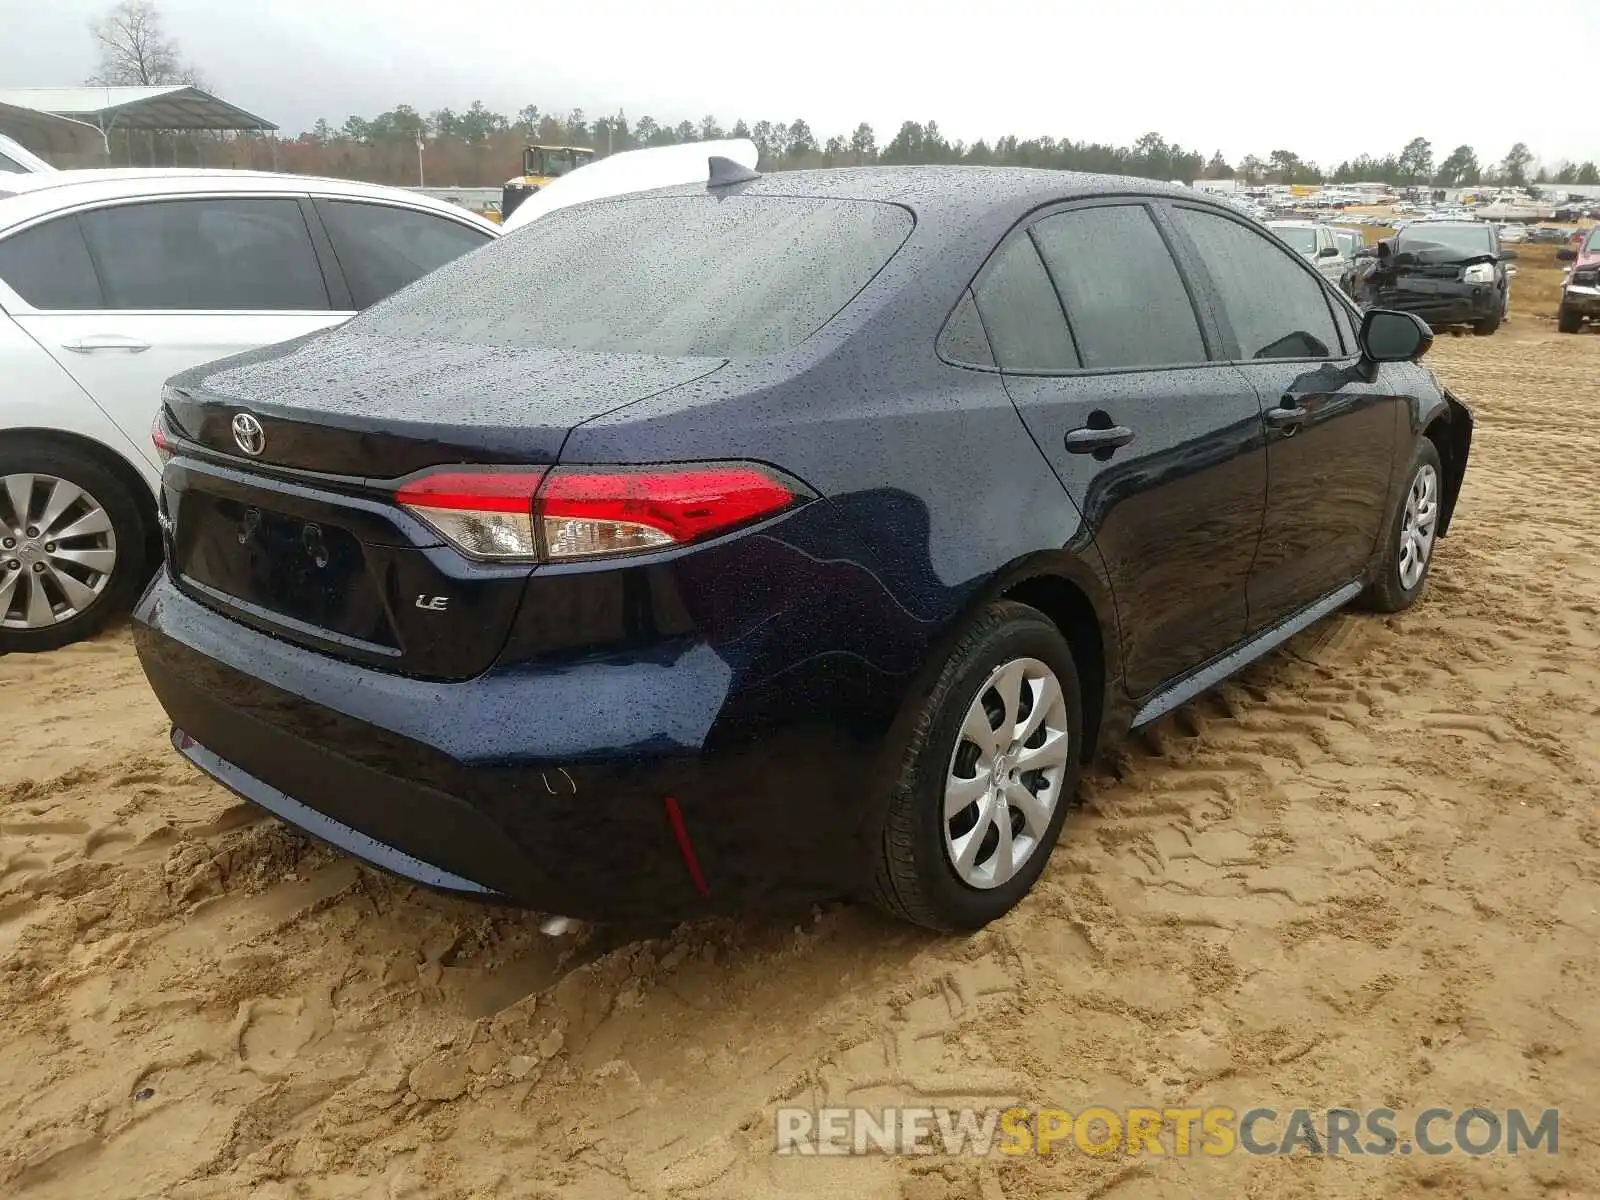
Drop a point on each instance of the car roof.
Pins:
(24, 197)
(23, 157)
(1293, 223)
(949, 189)
(955, 207)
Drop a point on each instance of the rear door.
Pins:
(1159, 448)
(1330, 429)
(126, 296)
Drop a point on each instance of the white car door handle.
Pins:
(92, 342)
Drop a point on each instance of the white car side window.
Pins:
(48, 267)
(242, 253)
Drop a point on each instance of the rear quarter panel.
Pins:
(938, 487)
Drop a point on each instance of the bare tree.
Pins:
(135, 49)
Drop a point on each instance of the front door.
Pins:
(1330, 431)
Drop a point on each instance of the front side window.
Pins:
(49, 267)
(1126, 304)
(1275, 307)
(382, 249)
(217, 254)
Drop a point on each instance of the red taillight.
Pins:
(587, 512)
(477, 491)
(487, 514)
(161, 438)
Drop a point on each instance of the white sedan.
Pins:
(113, 280)
(17, 159)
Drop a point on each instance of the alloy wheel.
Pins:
(1418, 525)
(1006, 773)
(57, 550)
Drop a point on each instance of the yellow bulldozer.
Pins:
(541, 164)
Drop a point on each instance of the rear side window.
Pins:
(49, 266)
(1125, 301)
(1021, 312)
(10, 166)
(963, 340)
(1275, 306)
(721, 276)
(217, 254)
(382, 249)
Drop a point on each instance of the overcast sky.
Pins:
(1326, 81)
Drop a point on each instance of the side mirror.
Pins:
(1390, 336)
(1328, 252)
(1366, 252)
(1567, 254)
(1508, 256)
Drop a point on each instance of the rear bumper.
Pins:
(548, 787)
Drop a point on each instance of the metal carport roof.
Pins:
(47, 134)
(163, 108)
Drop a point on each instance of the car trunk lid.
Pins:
(292, 527)
(350, 403)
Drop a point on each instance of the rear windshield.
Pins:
(736, 277)
(1462, 239)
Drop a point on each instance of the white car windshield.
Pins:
(1300, 237)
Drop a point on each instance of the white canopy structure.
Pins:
(59, 120)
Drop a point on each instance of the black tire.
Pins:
(914, 878)
(1568, 321)
(1486, 326)
(131, 568)
(1387, 592)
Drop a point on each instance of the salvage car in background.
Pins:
(113, 280)
(1316, 242)
(813, 561)
(1350, 243)
(1580, 294)
(1447, 272)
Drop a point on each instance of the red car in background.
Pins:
(1580, 295)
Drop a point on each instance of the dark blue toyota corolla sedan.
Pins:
(789, 537)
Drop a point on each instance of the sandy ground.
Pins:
(1364, 873)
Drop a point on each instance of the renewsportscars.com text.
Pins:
(1165, 1131)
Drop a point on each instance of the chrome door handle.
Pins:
(1288, 415)
(90, 343)
(1090, 439)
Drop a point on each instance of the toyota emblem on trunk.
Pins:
(248, 433)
